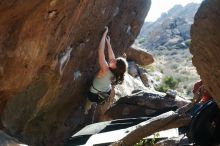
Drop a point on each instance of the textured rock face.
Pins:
(48, 52)
(206, 45)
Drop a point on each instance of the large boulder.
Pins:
(205, 46)
(134, 99)
(48, 57)
(130, 85)
(143, 104)
(140, 56)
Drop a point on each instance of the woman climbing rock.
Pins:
(110, 73)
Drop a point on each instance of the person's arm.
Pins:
(101, 52)
(111, 54)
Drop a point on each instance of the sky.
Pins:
(160, 6)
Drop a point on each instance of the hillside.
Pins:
(171, 30)
(168, 40)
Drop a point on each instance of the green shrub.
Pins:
(188, 42)
(150, 68)
(168, 83)
(162, 88)
(141, 40)
(157, 78)
(148, 142)
(142, 142)
(174, 66)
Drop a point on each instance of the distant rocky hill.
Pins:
(168, 39)
(171, 30)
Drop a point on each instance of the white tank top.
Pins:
(102, 84)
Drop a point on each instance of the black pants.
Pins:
(95, 97)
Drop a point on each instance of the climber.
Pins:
(109, 74)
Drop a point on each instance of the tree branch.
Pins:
(164, 121)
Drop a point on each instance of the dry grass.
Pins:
(178, 64)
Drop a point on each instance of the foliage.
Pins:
(141, 40)
(148, 142)
(168, 83)
(157, 78)
(142, 142)
(150, 68)
(154, 139)
(188, 42)
(178, 64)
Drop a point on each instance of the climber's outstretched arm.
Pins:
(111, 54)
(101, 52)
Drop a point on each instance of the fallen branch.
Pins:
(162, 122)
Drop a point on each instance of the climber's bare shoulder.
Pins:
(102, 72)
